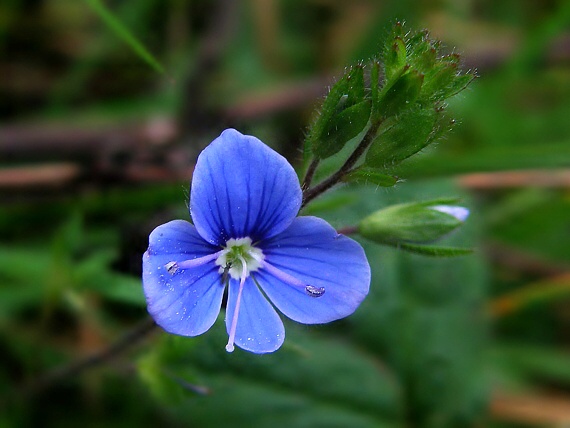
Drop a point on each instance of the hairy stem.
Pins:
(323, 186)
(310, 173)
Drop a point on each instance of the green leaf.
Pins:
(123, 33)
(342, 128)
(402, 137)
(402, 94)
(394, 59)
(334, 102)
(375, 88)
(370, 176)
(344, 115)
(458, 84)
(311, 381)
(434, 250)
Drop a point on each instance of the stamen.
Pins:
(313, 291)
(310, 290)
(232, 335)
(174, 267)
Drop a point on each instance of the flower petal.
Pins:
(188, 301)
(240, 188)
(259, 328)
(313, 252)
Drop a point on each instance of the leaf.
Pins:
(343, 128)
(311, 381)
(344, 115)
(402, 94)
(123, 33)
(434, 250)
(370, 176)
(375, 89)
(404, 136)
(394, 58)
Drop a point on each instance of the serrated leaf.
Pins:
(437, 81)
(370, 176)
(344, 114)
(435, 250)
(342, 128)
(408, 134)
(355, 79)
(458, 84)
(422, 55)
(402, 93)
(394, 58)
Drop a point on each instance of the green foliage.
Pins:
(65, 275)
(122, 32)
(370, 176)
(296, 384)
(396, 116)
(343, 116)
(420, 334)
(424, 316)
(434, 250)
(401, 137)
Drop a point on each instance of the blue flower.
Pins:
(244, 200)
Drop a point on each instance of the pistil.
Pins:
(309, 289)
(233, 328)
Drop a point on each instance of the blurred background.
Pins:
(104, 107)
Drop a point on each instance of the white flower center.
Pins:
(239, 258)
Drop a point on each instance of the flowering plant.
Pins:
(245, 198)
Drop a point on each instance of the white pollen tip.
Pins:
(230, 347)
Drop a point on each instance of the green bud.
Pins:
(421, 222)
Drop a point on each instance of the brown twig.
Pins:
(106, 354)
(513, 179)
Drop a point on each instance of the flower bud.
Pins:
(414, 222)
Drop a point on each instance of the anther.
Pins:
(313, 291)
(171, 267)
(310, 290)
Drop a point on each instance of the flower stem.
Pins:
(310, 173)
(323, 186)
